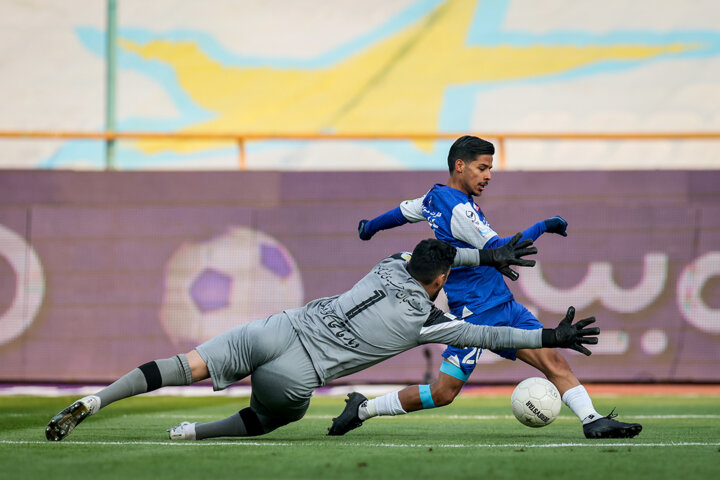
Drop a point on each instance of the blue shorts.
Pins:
(462, 361)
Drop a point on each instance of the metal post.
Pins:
(110, 83)
(241, 150)
(503, 155)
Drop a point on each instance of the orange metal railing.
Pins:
(242, 138)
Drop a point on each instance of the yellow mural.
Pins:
(396, 85)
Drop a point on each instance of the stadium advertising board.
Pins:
(100, 272)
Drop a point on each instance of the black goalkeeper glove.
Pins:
(509, 254)
(567, 335)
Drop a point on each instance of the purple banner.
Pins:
(101, 272)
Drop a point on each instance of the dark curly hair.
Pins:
(429, 259)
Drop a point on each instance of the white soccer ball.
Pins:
(535, 402)
(234, 278)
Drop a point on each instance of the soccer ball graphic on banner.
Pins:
(535, 402)
(227, 281)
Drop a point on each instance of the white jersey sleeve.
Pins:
(445, 328)
(412, 210)
(467, 226)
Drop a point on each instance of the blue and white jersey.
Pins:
(456, 219)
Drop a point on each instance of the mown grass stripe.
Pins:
(242, 443)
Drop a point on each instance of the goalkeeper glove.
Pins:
(509, 254)
(569, 335)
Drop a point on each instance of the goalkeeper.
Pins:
(290, 354)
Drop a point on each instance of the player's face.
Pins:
(438, 285)
(474, 176)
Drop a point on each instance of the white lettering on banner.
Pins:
(689, 287)
(29, 285)
(598, 284)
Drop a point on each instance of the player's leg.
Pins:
(455, 370)
(181, 369)
(437, 394)
(549, 362)
(283, 380)
(558, 371)
(410, 399)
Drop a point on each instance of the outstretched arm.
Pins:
(391, 219)
(408, 211)
(448, 330)
(551, 225)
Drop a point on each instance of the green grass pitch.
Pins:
(475, 437)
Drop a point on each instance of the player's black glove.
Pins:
(361, 230)
(556, 225)
(509, 254)
(567, 335)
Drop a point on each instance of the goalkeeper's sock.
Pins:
(580, 403)
(246, 423)
(386, 405)
(146, 378)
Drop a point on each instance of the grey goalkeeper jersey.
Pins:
(384, 314)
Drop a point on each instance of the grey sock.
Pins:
(232, 426)
(245, 423)
(175, 371)
(148, 377)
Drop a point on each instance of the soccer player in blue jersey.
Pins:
(479, 295)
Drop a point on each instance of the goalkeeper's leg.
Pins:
(182, 369)
(281, 392)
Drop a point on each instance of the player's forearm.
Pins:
(390, 219)
(498, 338)
(467, 257)
(531, 233)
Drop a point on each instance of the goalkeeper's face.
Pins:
(437, 285)
(473, 177)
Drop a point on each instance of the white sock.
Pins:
(386, 405)
(580, 403)
(92, 402)
(367, 410)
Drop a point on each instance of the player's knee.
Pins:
(444, 396)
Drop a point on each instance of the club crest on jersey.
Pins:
(478, 222)
(475, 219)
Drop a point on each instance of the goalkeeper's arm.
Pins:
(449, 330)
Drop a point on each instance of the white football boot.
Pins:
(184, 431)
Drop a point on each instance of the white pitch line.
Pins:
(388, 445)
(428, 416)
